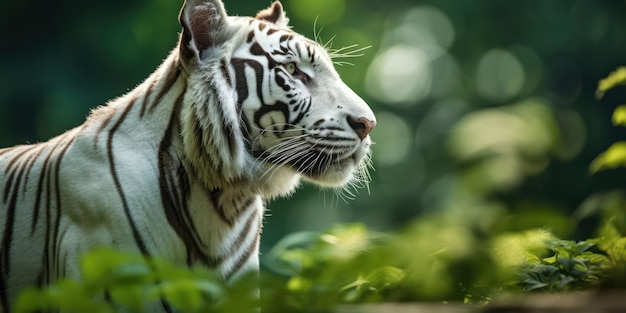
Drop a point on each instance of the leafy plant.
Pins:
(570, 266)
(112, 280)
(615, 155)
(346, 264)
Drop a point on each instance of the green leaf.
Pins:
(130, 297)
(183, 294)
(373, 282)
(617, 77)
(619, 116)
(614, 156)
(66, 296)
(106, 267)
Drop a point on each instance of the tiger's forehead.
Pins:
(281, 33)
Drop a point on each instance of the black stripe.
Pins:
(11, 171)
(145, 98)
(175, 190)
(285, 83)
(47, 174)
(215, 261)
(240, 79)
(8, 186)
(39, 193)
(225, 73)
(44, 174)
(5, 250)
(227, 128)
(62, 273)
(199, 138)
(30, 163)
(247, 254)
(278, 106)
(234, 212)
(7, 150)
(136, 235)
(57, 220)
(167, 83)
(240, 208)
(242, 88)
(10, 219)
(17, 157)
(101, 128)
(215, 195)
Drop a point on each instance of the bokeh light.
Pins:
(433, 25)
(392, 139)
(413, 62)
(526, 135)
(499, 75)
(400, 75)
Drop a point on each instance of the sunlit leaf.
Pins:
(619, 116)
(617, 77)
(282, 258)
(613, 157)
(106, 266)
(374, 282)
(67, 296)
(517, 248)
(183, 294)
(130, 297)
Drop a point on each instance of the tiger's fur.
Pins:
(180, 167)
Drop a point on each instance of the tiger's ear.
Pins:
(274, 14)
(203, 23)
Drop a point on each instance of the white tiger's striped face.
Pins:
(294, 111)
(298, 112)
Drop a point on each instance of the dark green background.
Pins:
(60, 58)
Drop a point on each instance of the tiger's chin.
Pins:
(331, 178)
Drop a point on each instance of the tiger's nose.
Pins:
(362, 125)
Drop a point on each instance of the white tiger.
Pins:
(179, 168)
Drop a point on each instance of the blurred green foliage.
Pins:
(113, 280)
(615, 155)
(431, 260)
(617, 77)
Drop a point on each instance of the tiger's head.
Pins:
(267, 102)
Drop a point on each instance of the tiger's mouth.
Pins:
(328, 169)
(315, 163)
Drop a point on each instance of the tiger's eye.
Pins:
(291, 68)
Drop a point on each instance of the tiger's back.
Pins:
(65, 196)
(180, 167)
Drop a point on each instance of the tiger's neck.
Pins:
(202, 130)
